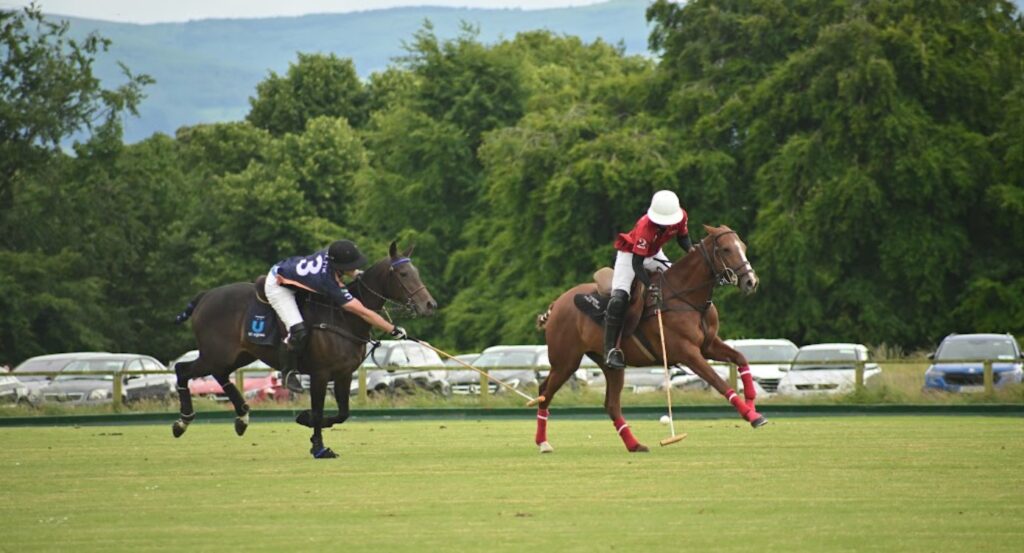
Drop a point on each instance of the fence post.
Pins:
(118, 381)
(363, 396)
(989, 388)
(732, 376)
(485, 395)
(858, 378)
(240, 381)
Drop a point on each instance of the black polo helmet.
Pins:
(343, 255)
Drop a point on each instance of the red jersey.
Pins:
(647, 238)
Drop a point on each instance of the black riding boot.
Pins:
(294, 345)
(612, 326)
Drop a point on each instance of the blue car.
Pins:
(957, 363)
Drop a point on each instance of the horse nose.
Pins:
(751, 284)
(431, 306)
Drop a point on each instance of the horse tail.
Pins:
(542, 319)
(184, 315)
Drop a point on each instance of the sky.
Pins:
(162, 11)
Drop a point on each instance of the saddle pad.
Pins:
(592, 305)
(261, 326)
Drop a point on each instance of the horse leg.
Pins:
(317, 394)
(558, 375)
(692, 358)
(614, 380)
(720, 351)
(241, 407)
(342, 385)
(187, 413)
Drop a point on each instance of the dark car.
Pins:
(51, 363)
(75, 386)
(957, 363)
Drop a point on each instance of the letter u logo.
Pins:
(258, 325)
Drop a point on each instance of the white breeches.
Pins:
(283, 300)
(622, 279)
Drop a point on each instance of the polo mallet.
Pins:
(668, 384)
(530, 401)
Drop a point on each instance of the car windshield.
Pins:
(813, 355)
(782, 353)
(977, 348)
(93, 365)
(506, 359)
(256, 373)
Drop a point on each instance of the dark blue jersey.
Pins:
(312, 272)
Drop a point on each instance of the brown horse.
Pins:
(691, 331)
(337, 343)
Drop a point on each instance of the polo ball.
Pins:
(664, 419)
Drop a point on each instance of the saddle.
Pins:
(595, 303)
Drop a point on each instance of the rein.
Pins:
(727, 276)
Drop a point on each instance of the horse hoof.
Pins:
(325, 453)
(759, 422)
(178, 429)
(546, 448)
(640, 448)
(241, 424)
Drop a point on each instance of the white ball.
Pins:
(664, 419)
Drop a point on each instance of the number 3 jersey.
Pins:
(313, 273)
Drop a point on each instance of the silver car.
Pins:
(410, 367)
(76, 386)
(516, 366)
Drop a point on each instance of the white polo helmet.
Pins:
(665, 208)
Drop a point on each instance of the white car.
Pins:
(402, 366)
(816, 370)
(769, 360)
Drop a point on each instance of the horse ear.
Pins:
(393, 249)
(408, 252)
(709, 230)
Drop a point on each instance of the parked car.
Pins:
(464, 381)
(769, 360)
(809, 375)
(648, 379)
(14, 391)
(517, 366)
(963, 375)
(54, 362)
(410, 366)
(261, 383)
(99, 388)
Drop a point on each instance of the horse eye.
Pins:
(403, 273)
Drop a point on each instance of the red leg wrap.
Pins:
(749, 391)
(746, 411)
(626, 434)
(542, 426)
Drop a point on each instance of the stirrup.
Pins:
(293, 381)
(614, 359)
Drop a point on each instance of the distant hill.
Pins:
(206, 70)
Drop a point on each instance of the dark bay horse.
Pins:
(337, 342)
(691, 332)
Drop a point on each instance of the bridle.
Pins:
(409, 306)
(728, 275)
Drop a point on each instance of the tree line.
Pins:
(870, 153)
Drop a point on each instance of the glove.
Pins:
(399, 332)
(655, 292)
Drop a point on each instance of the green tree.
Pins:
(314, 86)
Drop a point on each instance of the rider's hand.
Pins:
(655, 292)
(400, 333)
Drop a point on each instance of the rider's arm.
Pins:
(355, 306)
(684, 242)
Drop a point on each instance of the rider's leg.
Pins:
(622, 281)
(282, 299)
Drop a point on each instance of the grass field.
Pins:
(823, 484)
